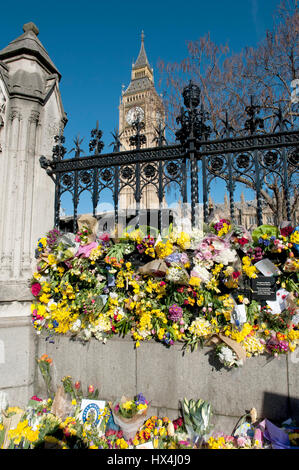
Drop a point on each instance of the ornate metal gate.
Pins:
(194, 161)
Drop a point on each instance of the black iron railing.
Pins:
(195, 161)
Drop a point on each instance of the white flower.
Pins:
(86, 334)
(228, 357)
(202, 273)
(177, 274)
(196, 236)
(76, 326)
(226, 256)
(295, 319)
(113, 295)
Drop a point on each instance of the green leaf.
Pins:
(269, 230)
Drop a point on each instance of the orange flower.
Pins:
(46, 358)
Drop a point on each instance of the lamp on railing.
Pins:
(253, 122)
(191, 95)
(192, 120)
(59, 150)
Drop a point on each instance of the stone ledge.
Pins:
(15, 291)
(17, 321)
(10, 310)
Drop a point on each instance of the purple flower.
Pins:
(141, 399)
(174, 258)
(175, 312)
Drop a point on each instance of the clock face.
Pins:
(134, 114)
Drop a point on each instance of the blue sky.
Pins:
(94, 43)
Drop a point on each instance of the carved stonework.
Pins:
(34, 117)
(2, 114)
(15, 113)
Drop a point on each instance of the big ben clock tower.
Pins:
(140, 101)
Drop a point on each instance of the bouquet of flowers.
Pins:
(227, 356)
(129, 414)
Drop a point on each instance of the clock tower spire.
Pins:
(140, 98)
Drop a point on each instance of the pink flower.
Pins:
(184, 258)
(105, 237)
(90, 389)
(35, 289)
(36, 398)
(241, 441)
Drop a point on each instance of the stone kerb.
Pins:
(166, 376)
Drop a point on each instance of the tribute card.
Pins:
(267, 268)
(92, 411)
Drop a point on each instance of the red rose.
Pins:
(35, 289)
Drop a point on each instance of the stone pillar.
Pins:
(31, 114)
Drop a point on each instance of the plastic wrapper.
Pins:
(10, 423)
(156, 267)
(129, 426)
(61, 406)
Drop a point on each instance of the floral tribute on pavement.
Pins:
(74, 419)
(220, 286)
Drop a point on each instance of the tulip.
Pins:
(77, 385)
(90, 389)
